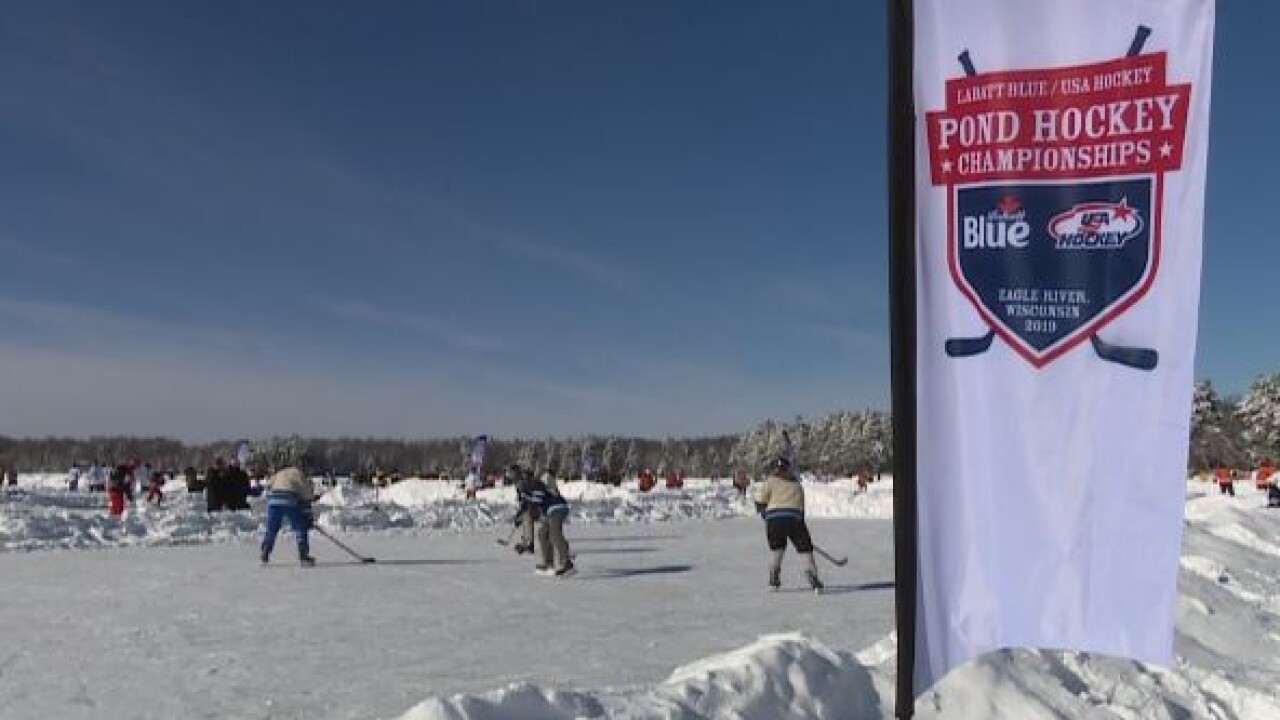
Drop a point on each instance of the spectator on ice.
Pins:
(236, 485)
(215, 486)
(120, 487)
(154, 480)
(780, 501)
(1264, 474)
(289, 497)
(98, 477)
(1226, 481)
(73, 478)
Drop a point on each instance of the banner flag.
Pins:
(1059, 206)
(475, 460)
(243, 453)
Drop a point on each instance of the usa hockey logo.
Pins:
(1054, 182)
(1095, 226)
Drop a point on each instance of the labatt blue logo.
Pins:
(1054, 182)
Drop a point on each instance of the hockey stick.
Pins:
(510, 536)
(340, 544)
(1139, 358)
(838, 562)
(966, 346)
(518, 521)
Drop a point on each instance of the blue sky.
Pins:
(426, 219)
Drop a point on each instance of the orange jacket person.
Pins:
(1226, 483)
(1265, 471)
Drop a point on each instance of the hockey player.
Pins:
(526, 517)
(780, 501)
(551, 510)
(289, 496)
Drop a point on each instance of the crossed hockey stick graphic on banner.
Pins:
(1096, 220)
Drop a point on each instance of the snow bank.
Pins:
(778, 676)
(42, 515)
(1227, 638)
(1227, 641)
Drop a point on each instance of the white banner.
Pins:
(1060, 174)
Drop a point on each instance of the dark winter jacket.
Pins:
(121, 480)
(534, 495)
(215, 488)
(237, 488)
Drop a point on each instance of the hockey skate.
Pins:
(814, 582)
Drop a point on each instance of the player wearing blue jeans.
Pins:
(289, 498)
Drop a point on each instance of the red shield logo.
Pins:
(1054, 184)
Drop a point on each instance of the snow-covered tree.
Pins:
(586, 456)
(1211, 442)
(631, 465)
(277, 453)
(528, 454)
(1259, 412)
(570, 463)
(609, 456)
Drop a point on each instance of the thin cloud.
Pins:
(848, 335)
(448, 333)
(26, 251)
(572, 261)
(72, 324)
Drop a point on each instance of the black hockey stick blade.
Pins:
(1134, 357)
(964, 347)
(838, 562)
(339, 543)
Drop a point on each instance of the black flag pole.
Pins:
(902, 332)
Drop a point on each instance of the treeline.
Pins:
(1235, 432)
(346, 456)
(840, 443)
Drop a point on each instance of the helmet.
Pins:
(781, 463)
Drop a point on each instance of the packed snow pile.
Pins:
(778, 676)
(40, 514)
(1228, 645)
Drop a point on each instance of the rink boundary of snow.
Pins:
(1228, 626)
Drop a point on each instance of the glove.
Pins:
(518, 518)
(761, 507)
